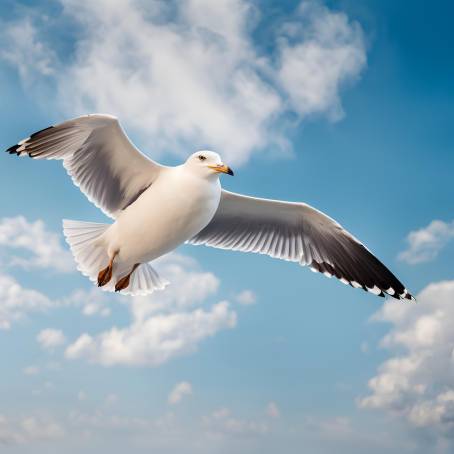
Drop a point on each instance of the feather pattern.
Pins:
(299, 233)
(99, 158)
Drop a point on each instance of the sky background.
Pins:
(345, 105)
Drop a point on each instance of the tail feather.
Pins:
(91, 256)
(81, 237)
(144, 280)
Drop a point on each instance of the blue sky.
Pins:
(344, 105)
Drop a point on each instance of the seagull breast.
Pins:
(171, 211)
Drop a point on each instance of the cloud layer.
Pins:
(189, 75)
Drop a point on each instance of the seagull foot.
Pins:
(104, 276)
(122, 283)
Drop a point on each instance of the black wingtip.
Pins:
(37, 133)
(13, 149)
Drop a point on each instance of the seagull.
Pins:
(156, 208)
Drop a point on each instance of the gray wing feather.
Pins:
(98, 156)
(299, 233)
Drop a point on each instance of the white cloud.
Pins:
(50, 338)
(189, 75)
(320, 50)
(93, 302)
(23, 49)
(425, 244)
(164, 324)
(28, 430)
(180, 390)
(416, 382)
(154, 340)
(272, 410)
(45, 246)
(346, 435)
(339, 427)
(246, 297)
(221, 421)
(17, 301)
(91, 309)
(190, 286)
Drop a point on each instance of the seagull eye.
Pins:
(202, 158)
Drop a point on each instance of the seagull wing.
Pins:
(98, 156)
(299, 233)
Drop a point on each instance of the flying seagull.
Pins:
(156, 208)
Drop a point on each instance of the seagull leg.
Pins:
(124, 281)
(105, 275)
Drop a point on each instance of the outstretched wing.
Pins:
(299, 233)
(98, 156)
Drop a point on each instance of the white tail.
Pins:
(91, 257)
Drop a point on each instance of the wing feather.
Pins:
(299, 233)
(99, 158)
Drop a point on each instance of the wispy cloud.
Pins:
(223, 422)
(246, 297)
(425, 244)
(272, 410)
(50, 338)
(184, 79)
(319, 50)
(22, 46)
(92, 302)
(180, 390)
(28, 430)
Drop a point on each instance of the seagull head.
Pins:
(207, 163)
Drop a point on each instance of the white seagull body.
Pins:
(157, 208)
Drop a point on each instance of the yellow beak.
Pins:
(222, 168)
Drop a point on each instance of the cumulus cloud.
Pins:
(17, 301)
(189, 74)
(154, 340)
(164, 324)
(44, 246)
(416, 382)
(50, 338)
(191, 285)
(425, 244)
(180, 390)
